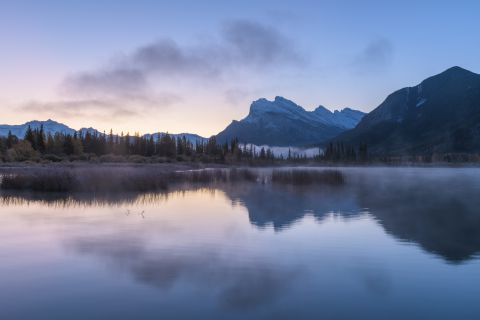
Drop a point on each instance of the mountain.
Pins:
(51, 127)
(440, 115)
(283, 123)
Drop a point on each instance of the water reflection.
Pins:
(281, 206)
(440, 213)
(257, 251)
(237, 284)
(436, 208)
(439, 210)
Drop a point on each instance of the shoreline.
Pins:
(174, 166)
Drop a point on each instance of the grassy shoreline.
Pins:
(147, 178)
(168, 166)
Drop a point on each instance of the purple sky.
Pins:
(193, 66)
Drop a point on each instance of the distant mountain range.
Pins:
(440, 115)
(49, 127)
(52, 127)
(279, 123)
(283, 123)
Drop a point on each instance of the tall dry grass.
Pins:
(151, 179)
(308, 177)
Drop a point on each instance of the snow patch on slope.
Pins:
(421, 102)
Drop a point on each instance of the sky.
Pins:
(194, 66)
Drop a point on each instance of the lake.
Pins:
(392, 243)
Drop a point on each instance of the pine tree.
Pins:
(262, 154)
(30, 137)
(110, 141)
(150, 147)
(363, 152)
(11, 139)
(68, 146)
(40, 139)
(127, 144)
(50, 145)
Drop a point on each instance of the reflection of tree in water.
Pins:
(439, 212)
(89, 199)
(237, 285)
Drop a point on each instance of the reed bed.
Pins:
(148, 179)
(117, 179)
(52, 181)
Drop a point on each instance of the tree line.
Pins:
(335, 152)
(88, 145)
(92, 145)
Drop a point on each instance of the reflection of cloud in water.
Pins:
(377, 280)
(237, 284)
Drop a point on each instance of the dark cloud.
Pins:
(259, 45)
(74, 109)
(242, 44)
(377, 56)
(166, 58)
(117, 81)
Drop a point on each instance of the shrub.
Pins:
(306, 177)
(137, 159)
(52, 158)
(21, 151)
(111, 158)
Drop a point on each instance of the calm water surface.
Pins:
(391, 244)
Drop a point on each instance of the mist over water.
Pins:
(392, 243)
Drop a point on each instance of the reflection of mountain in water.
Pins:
(443, 217)
(281, 206)
(439, 212)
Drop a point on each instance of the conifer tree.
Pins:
(10, 139)
(40, 140)
(30, 137)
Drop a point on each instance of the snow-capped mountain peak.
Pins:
(262, 109)
(279, 105)
(283, 122)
